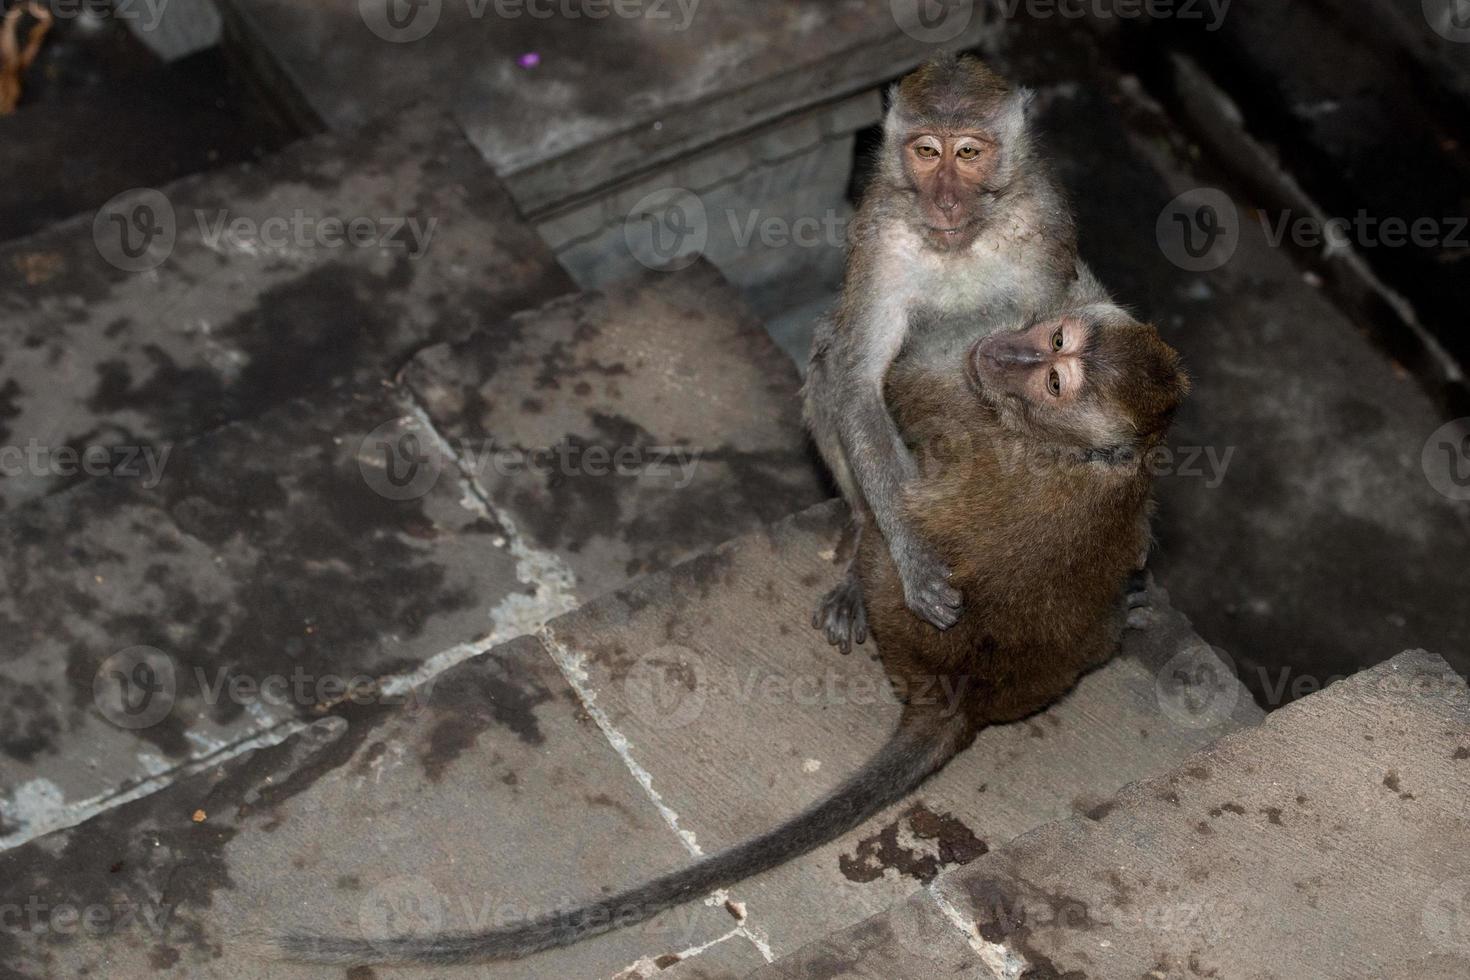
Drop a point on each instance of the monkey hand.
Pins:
(926, 588)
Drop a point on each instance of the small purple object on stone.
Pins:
(529, 60)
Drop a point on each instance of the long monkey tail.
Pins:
(921, 746)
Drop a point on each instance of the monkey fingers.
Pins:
(842, 616)
(926, 588)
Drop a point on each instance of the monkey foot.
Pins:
(1136, 599)
(841, 615)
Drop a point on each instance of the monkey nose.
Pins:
(1010, 355)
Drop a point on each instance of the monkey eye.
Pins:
(926, 151)
(1054, 381)
(1056, 340)
(968, 152)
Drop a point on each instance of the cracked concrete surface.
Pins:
(494, 791)
(1328, 842)
(251, 305)
(349, 539)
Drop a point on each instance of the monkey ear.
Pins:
(1008, 121)
(896, 121)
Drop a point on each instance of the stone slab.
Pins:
(914, 940)
(742, 715)
(678, 415)
(506, 785)
(615, 88)
(1328, 842)
(245, 298)
(490, 798)
(768, 208)
(263, 553)
(355, 537)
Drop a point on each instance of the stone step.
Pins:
(1323, 112)
(638, 134)
(678, 716)
(565, 102)
(74, 140)
(369, 534)
(244, 298)
(1328, 842)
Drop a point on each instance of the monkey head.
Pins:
(1092, 379)
(954, 139)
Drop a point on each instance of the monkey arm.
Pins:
(881, 465)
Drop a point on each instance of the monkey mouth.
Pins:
(945, 240)
(948, 237)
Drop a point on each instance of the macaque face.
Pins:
(1080, 380)
(1044, 365)
(951, 172)
(1046, 379)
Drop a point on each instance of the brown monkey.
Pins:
(1031, 487)
(962, 215)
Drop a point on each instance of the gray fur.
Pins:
(1023, 261)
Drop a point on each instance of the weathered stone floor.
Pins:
(373, 533)
(1328, 842)
(667, 720)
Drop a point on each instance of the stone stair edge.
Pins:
(426, 114)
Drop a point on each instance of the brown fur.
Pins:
(1039, 539)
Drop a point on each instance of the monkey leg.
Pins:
(822, 424)
(1136, 599)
